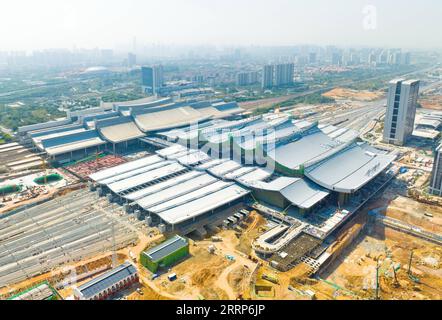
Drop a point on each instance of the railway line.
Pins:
(67, 229)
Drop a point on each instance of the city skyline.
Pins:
(67, 24)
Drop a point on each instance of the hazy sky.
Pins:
(36, 24)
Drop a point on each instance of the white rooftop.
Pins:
(349, 170)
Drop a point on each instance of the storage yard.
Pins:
(33, 187)
(85, 168)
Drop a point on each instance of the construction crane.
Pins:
(377, 280)
(409, 262)
(410, 273)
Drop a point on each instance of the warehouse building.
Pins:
(166, 254)
(109, 283)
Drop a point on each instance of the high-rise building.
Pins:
(267, 76)
(147, 80)
(131, 59)
(284, 74)
(355, 59)
(243, 79)
(383, 57)
(391, 58)
(312, 57)
(398, 58)
(436, 176)
(407, 58)
(253, 77)
(152, 79)
(401, 111)
(336, 59)
(246, 78)
(198, 78)
(372, 59)
(302, 60)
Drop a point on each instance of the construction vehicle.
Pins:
(211, 249)
(217, 239)
(154, 276)
(270, 278)
(172, 277)
(132, 256)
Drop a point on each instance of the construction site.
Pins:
(286, 205)
(357, 95)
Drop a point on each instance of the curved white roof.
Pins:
(300, 192)
(121, 132)
(167, 119)
(313, 147)
(349, 170)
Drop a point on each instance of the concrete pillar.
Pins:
(343, 198)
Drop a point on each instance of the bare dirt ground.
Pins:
(348, 94)
(432, 102)
(355, 270)
(353, 274)
(413, 212)
(256, 222)
(224, 274)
